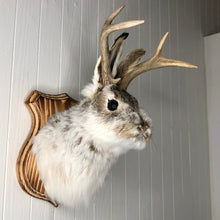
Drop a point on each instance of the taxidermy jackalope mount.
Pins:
(66, 160)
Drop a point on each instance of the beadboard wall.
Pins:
(210, 10)
(52, 46)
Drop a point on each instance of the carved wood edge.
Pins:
(41, 106)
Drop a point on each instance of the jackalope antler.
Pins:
(129, 68)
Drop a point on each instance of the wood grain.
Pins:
(41, 107)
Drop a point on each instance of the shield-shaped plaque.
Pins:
(41, 107)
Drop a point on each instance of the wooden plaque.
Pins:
(41, 107)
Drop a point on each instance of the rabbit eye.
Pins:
(112, 105)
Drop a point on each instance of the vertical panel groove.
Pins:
(39, 42)
(30, 215)
(139, 160)
(111, 200)
(171, 117)
(161, 125)
(97, 45)
(181, 162)
(61, 46)
(150, 99)
(173, 180)
(10, 107)
(126, 217)
(80, 48)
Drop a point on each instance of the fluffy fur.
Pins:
(76, 148)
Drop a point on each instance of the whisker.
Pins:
(154, 144)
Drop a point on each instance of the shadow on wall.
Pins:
(210, 17)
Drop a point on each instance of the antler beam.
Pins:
(157, 61)
(107, 29)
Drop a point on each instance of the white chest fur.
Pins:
(70, 164)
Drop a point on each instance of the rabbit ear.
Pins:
(115, 53)
(91, 89)
(114, 56)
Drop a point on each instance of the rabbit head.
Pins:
(116, 115)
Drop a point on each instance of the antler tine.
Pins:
(157, 61)
(129, 62)
(113, 15)
(107, 29)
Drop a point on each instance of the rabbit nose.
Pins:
(146, 131)
(147, 134)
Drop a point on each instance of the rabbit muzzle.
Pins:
(145, 131)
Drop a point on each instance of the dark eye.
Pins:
(112, 105)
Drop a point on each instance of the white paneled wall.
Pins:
(52, 46)
(212, 52)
